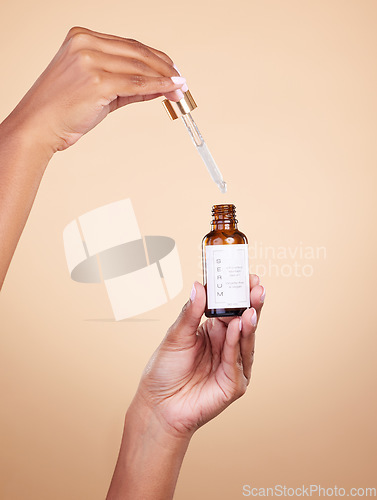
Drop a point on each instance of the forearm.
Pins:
(149, 459)
(23, 160)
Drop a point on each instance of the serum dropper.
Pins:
(183, 110)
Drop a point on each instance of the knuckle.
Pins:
(74, 30)
(97, 79)
(85, 57)
(80, 40)
(163, 82)
(138, 81)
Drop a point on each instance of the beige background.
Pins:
(287, 103)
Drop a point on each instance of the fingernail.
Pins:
(193, 293)
(240, 325)
(179, 94)
(262, 297)
(254, 318)
(178, 80)
(184, 86)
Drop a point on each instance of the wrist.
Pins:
(149, 458)
(149, 422)
(20, 134)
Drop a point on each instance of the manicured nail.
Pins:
(193, 293)
(184, 86)
(179, 94)
(240, 325)
(253, 318)
(262, 297)
(178, 80)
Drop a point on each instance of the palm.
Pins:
(198, 371)
(189, 384)
(79, 123)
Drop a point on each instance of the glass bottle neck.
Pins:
(223, 217)
(221, 225)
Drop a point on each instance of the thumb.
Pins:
(183, 331)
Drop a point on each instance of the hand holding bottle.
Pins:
(195, 373)
(199, 370)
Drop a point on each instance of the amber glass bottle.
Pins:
(225, 265)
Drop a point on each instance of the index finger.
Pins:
(78, 29)
(247, 341)
(255, 295)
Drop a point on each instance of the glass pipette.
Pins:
(204, 152)
(182, 108)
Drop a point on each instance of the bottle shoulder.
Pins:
(225, 237)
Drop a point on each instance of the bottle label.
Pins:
(227, 268)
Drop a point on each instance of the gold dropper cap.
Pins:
(182, 107)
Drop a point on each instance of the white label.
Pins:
(227, 268)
